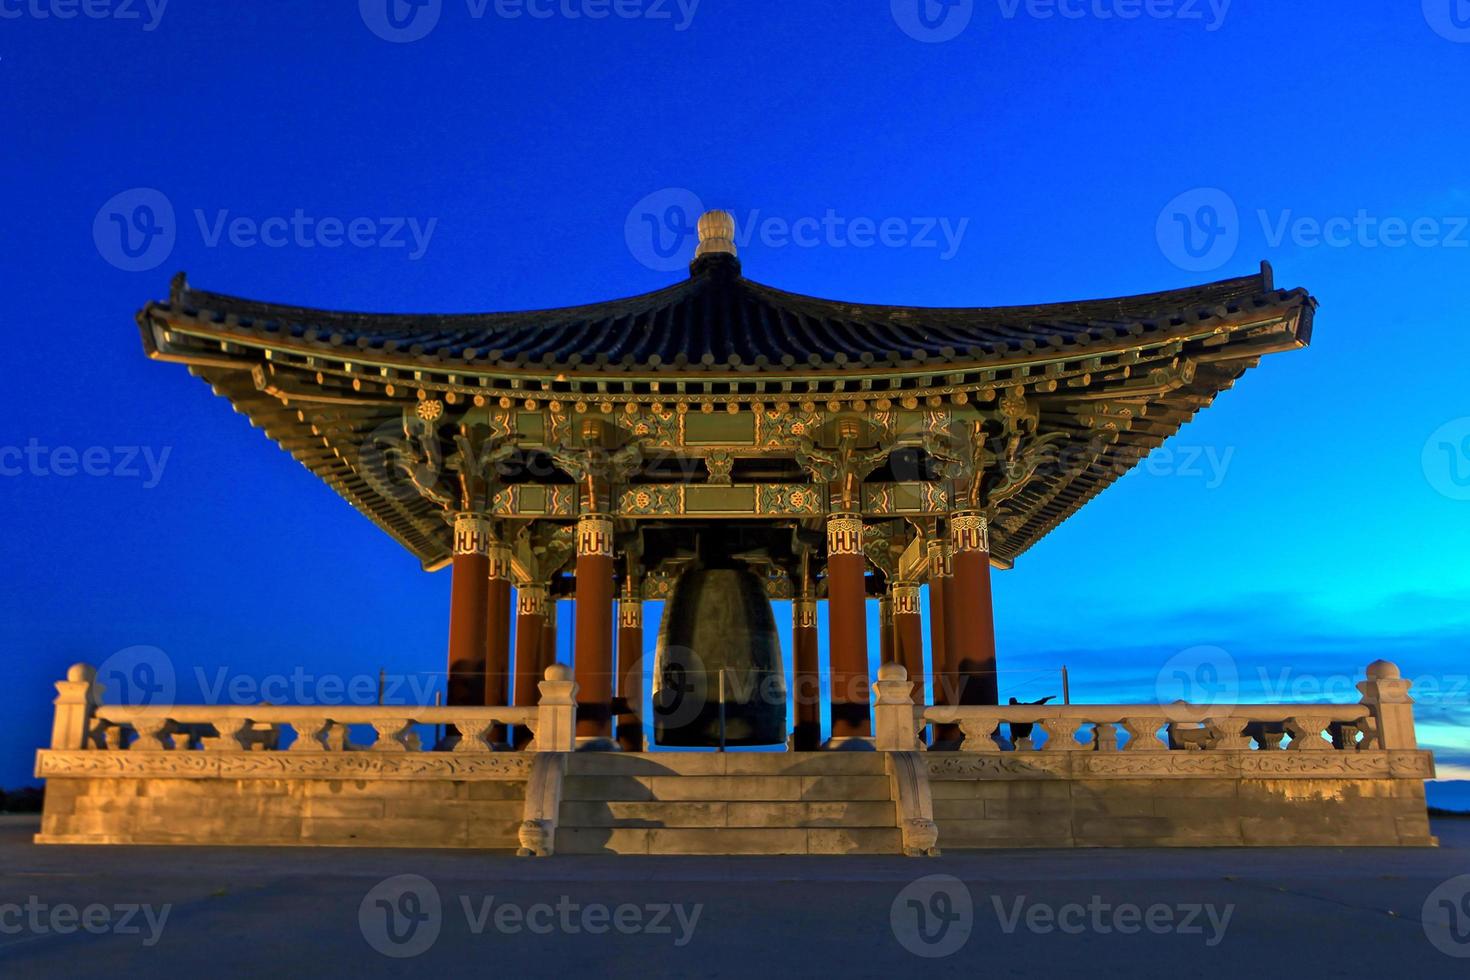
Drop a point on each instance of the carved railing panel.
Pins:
(188, 728)
(1155, 728)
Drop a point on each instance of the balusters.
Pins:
(1061, 734)
(978, 736)
(1269, 741)
(231, 735)
(395, 735)
(472, 735)
(1306, 733)
(1104, 736)
(152, 732)
(1227, 734)
(1143, 734)
(319, 734)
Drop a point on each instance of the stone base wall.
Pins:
(344, 799)
(1040, 799)
(1010, 803)
(280, 812)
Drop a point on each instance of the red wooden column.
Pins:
(468, 605)
(531, 601)
(847, 627)
(940, 586)
(807, 681)
(908, 631)
(887, 652)
(497, 627)
(972, 623)
(630, 673)
(941, 635)
(594, 636)
(548, 637)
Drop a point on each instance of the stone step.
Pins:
(591, 814)
(727, 788)
(726, 840)
(726, 763)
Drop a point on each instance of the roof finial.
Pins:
(716, 234)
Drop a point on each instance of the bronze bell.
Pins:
(718, 621)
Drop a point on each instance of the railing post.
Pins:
(894, 710)
(1386, 692)
(556, 715)
(76, 703)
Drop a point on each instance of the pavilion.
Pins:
(839, 453)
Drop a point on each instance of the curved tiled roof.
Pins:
(1137, 368)
(719, 321)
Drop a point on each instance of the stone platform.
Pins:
(1177, 775)
(737, 803)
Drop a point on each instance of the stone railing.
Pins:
(1382, 720)
(82, 723)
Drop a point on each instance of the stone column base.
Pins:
(596, 743)
(850, 743)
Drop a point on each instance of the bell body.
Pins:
(719, 621)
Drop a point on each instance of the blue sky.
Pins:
(1314, 519)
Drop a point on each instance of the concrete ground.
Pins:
(149, 911)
